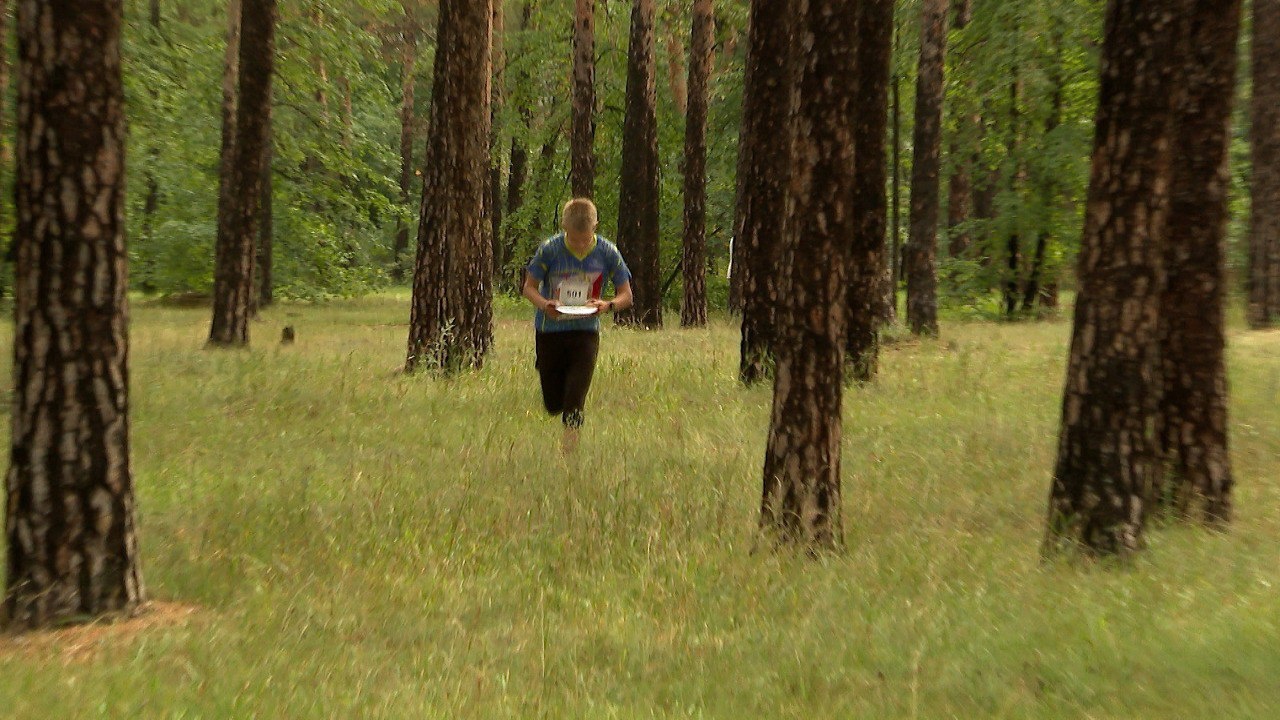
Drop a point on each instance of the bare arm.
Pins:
(622, 300)
(534, 296)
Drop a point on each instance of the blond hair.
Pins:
(579, 215)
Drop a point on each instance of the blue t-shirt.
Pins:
(573, 280)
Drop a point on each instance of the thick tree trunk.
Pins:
(867, 296)
(1108, 453)
(583, 142)
(764, 171)
(1264, 226)
(233, 290)
(451, 323)
(801, 497)
(693, 311)
(1192, 322)
(408, 62)
(638, 195)
(72, 549)
(922, 246)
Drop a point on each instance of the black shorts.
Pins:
(566, 361)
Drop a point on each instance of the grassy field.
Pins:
(361, 544)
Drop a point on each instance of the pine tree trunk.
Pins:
(583, 152)
(72, 549)
(497, 96)
(1034, 292)
(1108, 453)
(638, 194)
(1192, 322)
(233, 290)
(518, 171)
(764, 171)
(266, 230)
(960, 184)
(895, 196)
(451, 323)
(922, 246)
(408, 61)
(801, 497)
(693, 311)
(676, 73)
(151, 196)
(1264, 226)
(867, 295)
(7, 250)
(230, 79)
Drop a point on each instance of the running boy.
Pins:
(570, 269)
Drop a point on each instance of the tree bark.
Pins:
(867, 295)
(518, 171)
(72, 549)
(266, 230)
(801, 497)
(230, 80)
(1264, 225)
(960, 184)
(895, 196)
(764, 171)
(922, 246)
(693, 311)
(497, 97)
(451, 323)
(1108, 453)
(582, 144)
(233, 290)
(1192, 322)
(676, 73)
(638, 195)
(408, 62)
(151, 197)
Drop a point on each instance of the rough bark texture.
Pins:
(233, 290)
(922, 246)
(1192, 322)
(867, 294)
(1264, 227)
(638, 195)
(72, 551)
(764, 169)
(693, 311)
(801, 496)
(1108, 453)
(408, 63)
(583, 142)
(451, 323)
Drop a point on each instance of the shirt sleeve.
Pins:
(619, 273)
(540, 265)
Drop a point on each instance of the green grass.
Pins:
(370, 545)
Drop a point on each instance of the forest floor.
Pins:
(350, 542)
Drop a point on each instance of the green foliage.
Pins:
(362, 544)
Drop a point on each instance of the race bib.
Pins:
(575, 291)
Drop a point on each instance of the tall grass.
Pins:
(367, 544)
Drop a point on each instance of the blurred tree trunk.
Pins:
(517, 174)
(1108, 452)
(960, 185)
(7, 249)
(1192, 322)
(266, 231)
(676, 73)
(922, 246)
(801, 497)
(764, 170)
(151, 192)
(1034, 292)
(451, 323)
(693, 311)
(230, 80)
(408, 62)
(72, 549)
(639, 193)
(497, 97)
(867, 277)
(583, 153)
(894, 262)
(233, 290)
(1013, 149)
(1264, 227)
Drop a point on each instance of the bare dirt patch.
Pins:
(80, 643)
